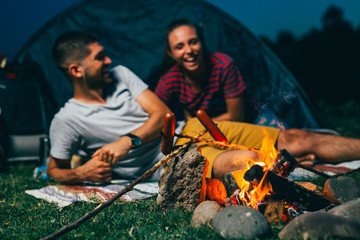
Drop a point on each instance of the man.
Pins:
(112, 117)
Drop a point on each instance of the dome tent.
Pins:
(133, 34)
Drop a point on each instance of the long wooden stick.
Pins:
(313, 170)
(221, 144)
(107, 203)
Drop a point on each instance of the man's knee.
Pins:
(294, 140)
(231, 161)
(287, 136)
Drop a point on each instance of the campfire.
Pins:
(262, 184)
(254, 191)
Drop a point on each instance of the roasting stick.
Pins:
(310, 169)
(128, 188)
(221, 144)
(215, 132)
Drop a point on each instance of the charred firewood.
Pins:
(285, 164)
(254, 174)
(288, 191)
(230, 183)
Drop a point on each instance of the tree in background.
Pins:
(326, 62)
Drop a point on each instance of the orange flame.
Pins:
(251, 195)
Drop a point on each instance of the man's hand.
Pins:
(113, 152)
(307, 160)
(95, 171)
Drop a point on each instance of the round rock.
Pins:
(204, 213)
(349, 209)
(240, 222)
(321, 225)
(341, 189)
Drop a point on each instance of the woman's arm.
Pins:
(235, 110)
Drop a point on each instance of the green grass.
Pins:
(343, 118)
(25, 217)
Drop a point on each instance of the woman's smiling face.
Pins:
(185, 47)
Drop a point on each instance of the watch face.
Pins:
(134, 139)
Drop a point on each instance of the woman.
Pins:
(198, 80)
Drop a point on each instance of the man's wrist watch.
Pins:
(135, 140)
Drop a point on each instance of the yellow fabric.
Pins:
(244, 134)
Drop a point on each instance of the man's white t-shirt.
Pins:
(80, 128)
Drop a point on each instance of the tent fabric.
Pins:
(26, 107)
(133, 34)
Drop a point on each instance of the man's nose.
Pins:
(107, 60)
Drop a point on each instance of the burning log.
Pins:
(274, 211)
(254, 175)
(285, 164)
(230, 183)
(288, 191)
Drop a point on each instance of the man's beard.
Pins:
(96, 82)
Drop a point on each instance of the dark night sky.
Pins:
(22, 18)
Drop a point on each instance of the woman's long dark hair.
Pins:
(168, 62)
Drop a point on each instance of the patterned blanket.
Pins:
(64, 195)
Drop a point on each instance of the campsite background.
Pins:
(318, 41)
(22, 18)
(328, 52)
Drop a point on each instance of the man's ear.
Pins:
(76, 70)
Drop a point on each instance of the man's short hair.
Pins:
(72, 47)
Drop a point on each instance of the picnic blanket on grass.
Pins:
(332, 170)
(64, 195)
